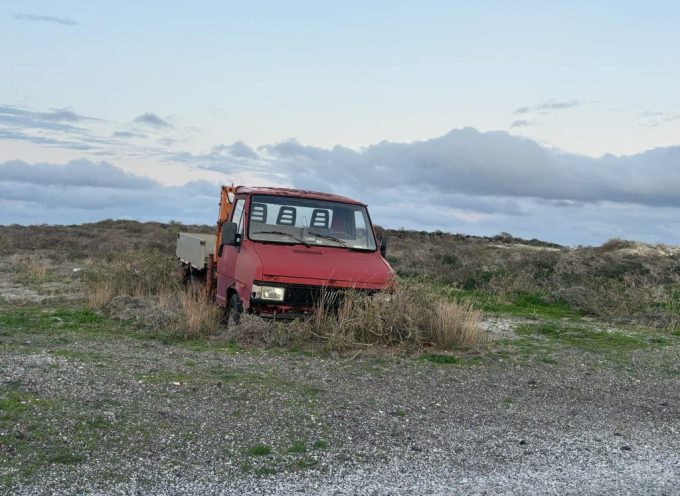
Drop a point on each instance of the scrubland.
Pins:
(497, 365)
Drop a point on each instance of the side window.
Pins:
(238, 214)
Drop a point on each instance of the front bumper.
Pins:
(299, 299)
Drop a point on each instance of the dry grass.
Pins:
(620, 281)
(198, 314)
(100, 294)
(456, 325)
(146, 286)
(30, 268)
(411, 315)
(144, 273)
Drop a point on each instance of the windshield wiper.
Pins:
(328, 236)
(284, 233)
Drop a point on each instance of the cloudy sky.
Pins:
(554, 120)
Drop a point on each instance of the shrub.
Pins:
(145, 287)
(615, 244)
(30, 268)
(413, 315)
(455, 324)
(144, 273)
(100, 293)
(198, 314)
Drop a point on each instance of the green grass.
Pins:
(264, 471)
(99, 422)
(297, 447)
(517, 304)
(439, 358)
(525, 305)
(38, 320)
(320, 444)
(590, 339)
(29, 437)
(304, 463)
(260, 450)
(65, 457)
(13, 403)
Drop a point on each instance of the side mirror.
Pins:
(229, 234)
(383, 246)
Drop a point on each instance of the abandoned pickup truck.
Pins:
(278, 251)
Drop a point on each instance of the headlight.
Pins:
(384, 297)
(268, 293)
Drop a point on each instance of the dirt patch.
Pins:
(501, 327)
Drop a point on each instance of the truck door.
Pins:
(226, 264)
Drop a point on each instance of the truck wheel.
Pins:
(234, 310)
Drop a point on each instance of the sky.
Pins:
(550, 120)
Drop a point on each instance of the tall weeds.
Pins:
(410, 315)
(30, 268)
(198, 314)
(140, 274)
(146, 287)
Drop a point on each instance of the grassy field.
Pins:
(116, 401)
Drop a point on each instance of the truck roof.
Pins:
(298, 193)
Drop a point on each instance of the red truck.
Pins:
(278, 251)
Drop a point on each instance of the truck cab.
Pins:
(279, 251)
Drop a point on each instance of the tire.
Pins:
(234, 310)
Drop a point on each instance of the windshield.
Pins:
(279, 219)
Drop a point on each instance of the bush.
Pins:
(144, 273)
(412, 314)
(30, 268)
(145, 287)
(615, 244)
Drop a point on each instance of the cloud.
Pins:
(520, 123)
(127, 134)
(465, 180)
(83, 191)
(75, 173)
(68, 129)
(237, 149)
(151, 119)
(469, 162)
(64, 21)
(54, 120)
(650, 118)
(549, 106)
(557, 105)
(436, 189)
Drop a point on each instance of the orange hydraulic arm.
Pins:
(226, 206)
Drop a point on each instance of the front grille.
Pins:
(312, 295)
(299, 295)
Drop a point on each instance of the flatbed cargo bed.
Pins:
(195, 249)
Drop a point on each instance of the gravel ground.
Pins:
(145, 417)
